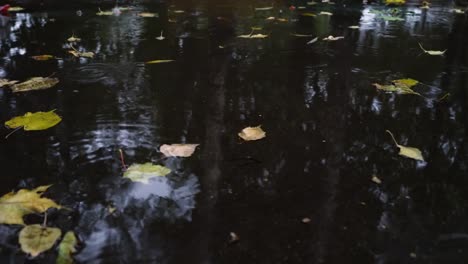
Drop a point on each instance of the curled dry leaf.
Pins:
(178, 150)
(158, 61)
(408, 152)
(144, 172)
(332, 38)
(35, 239)
(34, 121)
(13, 206)
(35, 83)
(66, 248)
(433, 52)
(252, 133)
(42, 57)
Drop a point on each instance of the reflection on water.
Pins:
(325, 126)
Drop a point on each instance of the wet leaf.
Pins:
(270, 18)
(43, 57)
(147, 14)
(433, 52)
(408, 152)
(158, 61)
(395, 2)
(332, 38)
(78, 54)
(6, 82)
(66, 248)
(13, 206)
(161, 37)
(353, 27)
(35, 121)
(325, 13)
(35, 83)
(179, 11)
(281, 20)
(252, 133)
(405, 82)
(403, 89)
(143, 172)
(256, 28)
(15, 9)
(35, 239)
(459, 11)
(391, 18)
(73, 39)
(312, 41)
(253, 36)
(263, 8)
(376, 179)
(178, 150)
(308, 14)
(104, 13)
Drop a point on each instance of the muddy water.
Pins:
(325, 125)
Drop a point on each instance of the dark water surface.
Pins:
(324, 120)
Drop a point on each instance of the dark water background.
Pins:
(324, 120)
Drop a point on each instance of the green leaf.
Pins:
(67, 248)
(35, 239)
(13, 206)
(405, 82)
(35, 121)
(408, 152)
(143, 172)
(35, 83)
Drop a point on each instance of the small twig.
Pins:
(44, 224)
(122, 160)
(16, 129)
(391, 134)
(443, 97)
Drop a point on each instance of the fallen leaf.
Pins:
(405, 82)
(432, 52)
(252, 133)
(34, 121)
(301, 35)
(35, 239)
(308, 14)
(178, 150)
(179, 11)
(311, 3)
(312, 41)
(66, 248)
(376, 179)
(43, 57)
(35, 83)
(401, 89)
(458, 11)
(301, 7)
(111, 209)
(143, 172)
(126, 8)
(390, 18)
(233, 237)
(78, 54)
(6, 82)
(104, 13)
(306, 220)
(408, 152)
(332, 38)
(158, 61)
(270, 18)
(161, 37)
(353, 27)
(146, 14)
(15, 9)
(13, 206)
(253, 36)
(325, 13)
(394, 2)
(73, 39)
(263, 8)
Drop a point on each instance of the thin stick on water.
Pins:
(16, 129)
(122, 160)
(391, 134)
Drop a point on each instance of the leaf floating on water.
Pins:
(15, 9)
(256, 28)
(252, 133)
(281, 20)
(6, 82)
(308, 14)
(401, 89)
(408, 152)
(178, 150)
(263, 8)
(104, 13)
(311, 3)
(458, 11)
(35, 239)
(233, 237)
(143, 172)
(391, 18)
(73, 39)
(405, 82)
(325, 13)
(376, 179)
(432, 52)
(301, 7)
(161, 37)
(158, 61)
(35, 83)
(34, 121)
(332, 38)
(42, 57)
(66, 248)
(253, 36)
(147, 14)
(78, 54)
(395, 2)
(13, 206)
(306, 220)
(353, 27)
(312, 41)
(425, 5)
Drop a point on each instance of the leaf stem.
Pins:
(422, 47)
(16, 129)
(391, 134)
(122, 160)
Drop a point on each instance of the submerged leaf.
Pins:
(158, 61)
(143, 172)
(67, 248)
(6, 82)
(178, 150)
(35, 239)
(42, 57)
(252, 133)
(408, 152)
(35, 83)
(35, 121)
(13, 206)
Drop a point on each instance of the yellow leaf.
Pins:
(263, 8)
(252, 133)
(15, 9)
(308, 14)
(394, 2)
(73, 39)
(158, 61)
(13, 206)
(178, 150)
(35, 83)
(143, 172)
(42, 57)
(353, 27)
(253, 36)
(146, 14)
(35, 239)
(6, 82)
(179, 11)
(35, 121)
(376, 179)
(325, 13)
(405, 82)
(408, 152)
(67, 248)
(104, 13)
